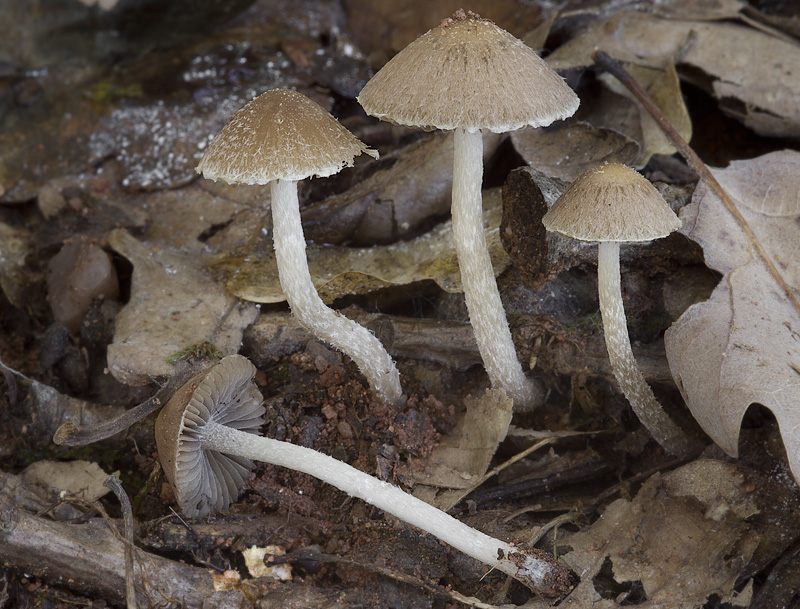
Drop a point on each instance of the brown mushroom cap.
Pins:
(611, 202)
(468, 73)
(205, 480)
(280, 134)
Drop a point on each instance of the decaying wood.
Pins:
(450, 343)
(90, 559)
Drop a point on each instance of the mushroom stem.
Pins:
(545, 576)
(344, 334)
(627, 373)
(485, 308)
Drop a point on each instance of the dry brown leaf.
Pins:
(174, 304)
(744, 64)
(742, 346)
(463, 456)
(337, 271)
(669, 540)
(569, 149)
(664, 88)
(82, 479)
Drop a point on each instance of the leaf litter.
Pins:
(707, 499)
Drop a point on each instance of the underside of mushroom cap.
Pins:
(468, 73)
(280, 134)
(611, 202)
(204, 480)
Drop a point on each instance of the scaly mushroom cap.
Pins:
(281, 134)
(470, 74)
(611, 202)
(204, 480)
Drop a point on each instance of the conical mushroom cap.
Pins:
(204, 480)
(611, 202)
(468, 73)
(280, 134)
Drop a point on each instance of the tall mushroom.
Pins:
(613, 204)
(468, 75)
(279, 138)
(206, 438)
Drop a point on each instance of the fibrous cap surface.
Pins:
(280, 134)
(468, 73)
(611, 202)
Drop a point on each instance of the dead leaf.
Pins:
(664, 88)
(568, 149)
(174, 304)
(742, 346)
(463, 456)
(49, 479)
(337, 271)
(665, 539)
(743, 64)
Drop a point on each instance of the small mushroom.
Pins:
(613, 204)
(206, 437)
(279, 138)
(468, 75)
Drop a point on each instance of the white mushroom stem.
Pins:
(627, 373)
(344, 334)
(486, 312)
(547, 577)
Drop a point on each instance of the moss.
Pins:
(194, 353)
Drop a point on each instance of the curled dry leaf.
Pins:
(337, 271)
(743, 64)
(742, 346)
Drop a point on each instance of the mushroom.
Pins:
(613, 204)
(206, 438)
(279, 138)
(468, 75)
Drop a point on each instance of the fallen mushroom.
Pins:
(206, 437)
(279, 138)
(613, 204)
(468, 75)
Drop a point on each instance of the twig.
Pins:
(493, 472)
(113, 483)
(615, 68)
(305, 555)
(69, 434)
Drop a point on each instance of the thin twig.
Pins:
(502, 466)
(306, 555)
(114, 484)
(615, 68)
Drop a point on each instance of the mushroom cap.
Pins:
(468, 73)
(281, 134)
(204, 480)
(611, 202)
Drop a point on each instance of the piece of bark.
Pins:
(90, 560)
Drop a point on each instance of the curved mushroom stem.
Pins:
(344, 334)
(485, 308)
(547, 577)
(627, 373)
